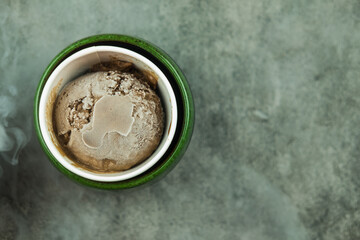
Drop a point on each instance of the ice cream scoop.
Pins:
(109, 120)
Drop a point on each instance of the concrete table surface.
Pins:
(275, 151)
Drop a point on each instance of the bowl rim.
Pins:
(168, 65)
(81, 171)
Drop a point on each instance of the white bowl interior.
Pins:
(76, 65)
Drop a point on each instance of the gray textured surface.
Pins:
(275, 149)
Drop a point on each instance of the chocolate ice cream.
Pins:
(109, 120)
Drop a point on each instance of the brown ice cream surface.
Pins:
(109, 120)
(111, 114)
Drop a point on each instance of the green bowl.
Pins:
(182, 93)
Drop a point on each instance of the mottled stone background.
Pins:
(275, 151)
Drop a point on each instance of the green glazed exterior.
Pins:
(187, 101)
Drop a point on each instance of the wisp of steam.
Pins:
(12, 137)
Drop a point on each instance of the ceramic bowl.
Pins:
(173, 89)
